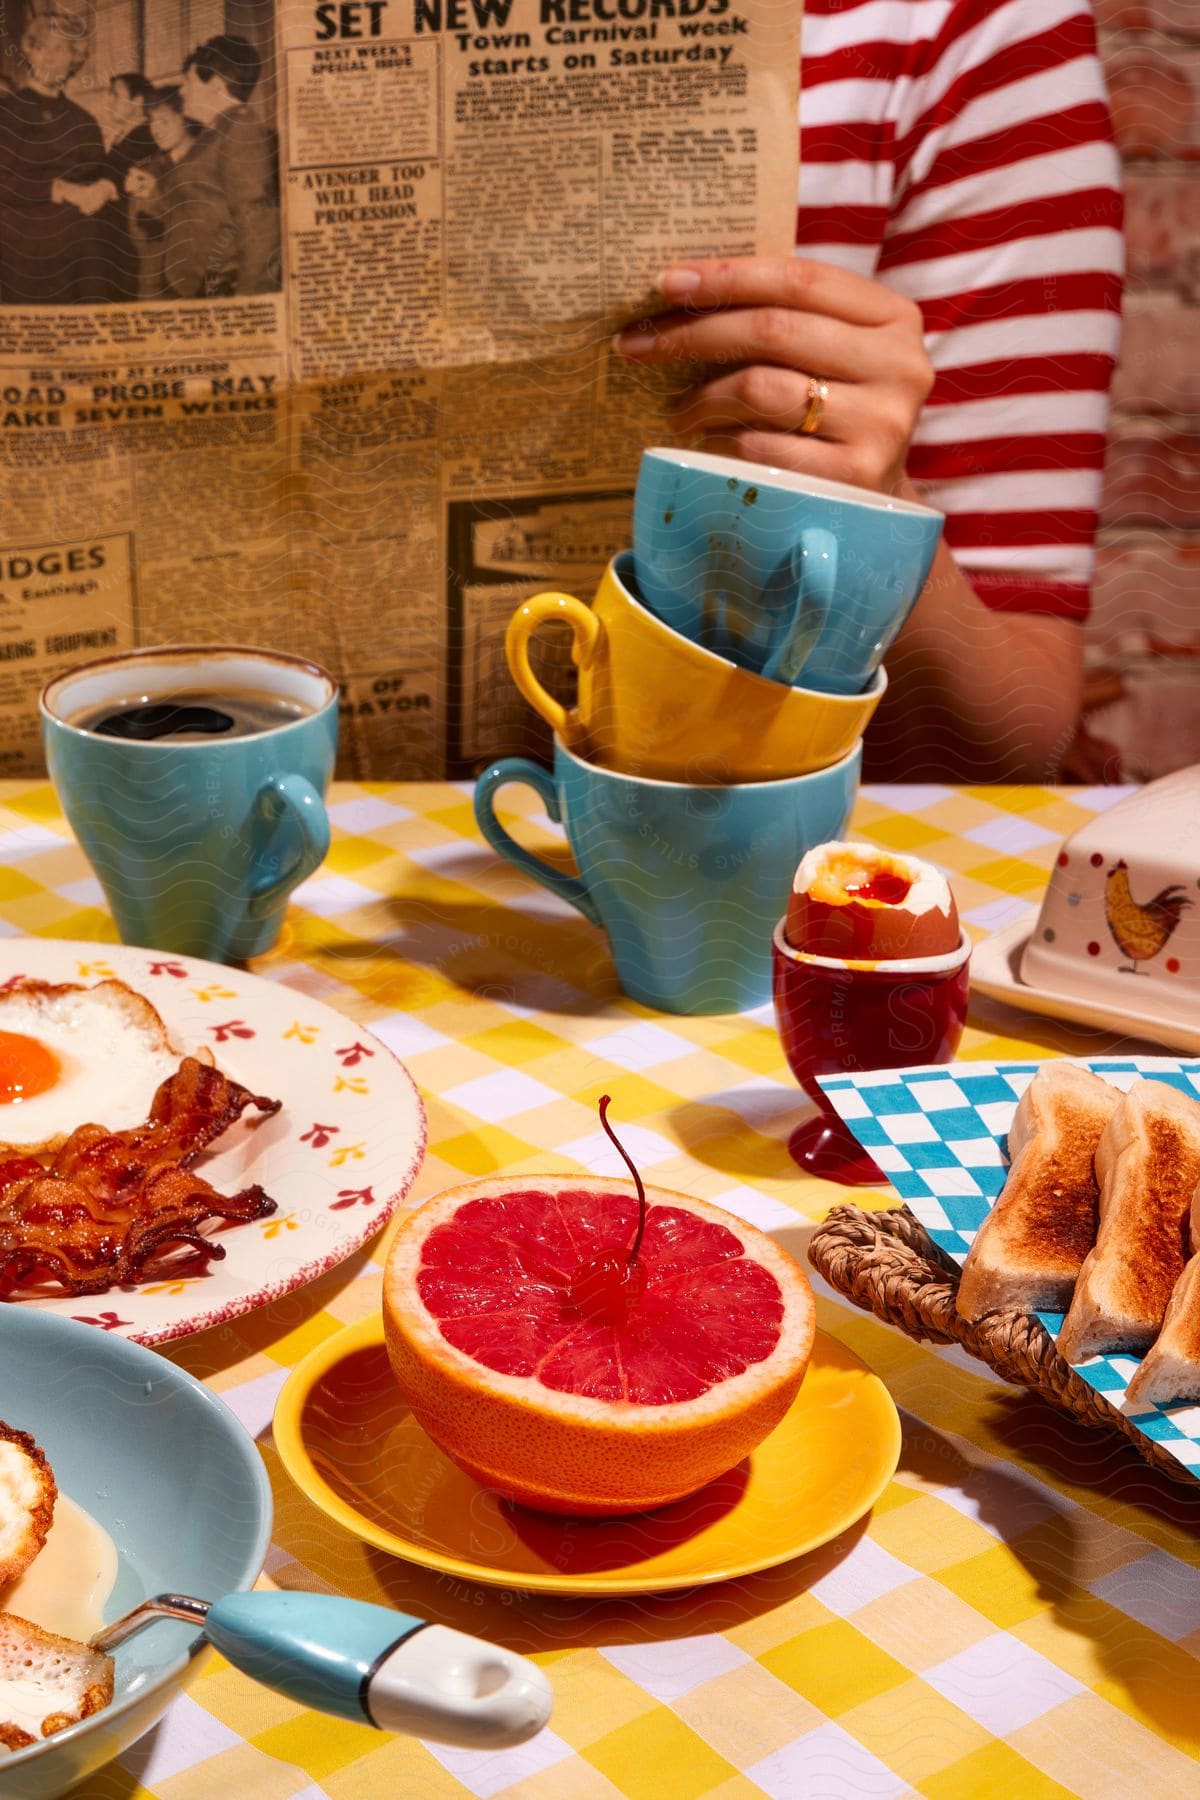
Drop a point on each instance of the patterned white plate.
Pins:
(338, 1158)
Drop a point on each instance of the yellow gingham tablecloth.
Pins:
(1019, 1616)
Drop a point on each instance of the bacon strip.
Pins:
(198, 1103)
(112, 1201)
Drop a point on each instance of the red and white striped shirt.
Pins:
(961, 152)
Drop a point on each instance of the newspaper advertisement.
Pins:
(305, 325)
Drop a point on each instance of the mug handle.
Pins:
(586, 631)
(518, 768)
(816, 585)
(294, 798)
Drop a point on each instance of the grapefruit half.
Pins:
(555, 1384)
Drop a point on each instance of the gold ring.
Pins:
(818, 393)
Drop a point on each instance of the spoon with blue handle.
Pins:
(364, 1662)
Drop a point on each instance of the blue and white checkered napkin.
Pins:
(939, 1134)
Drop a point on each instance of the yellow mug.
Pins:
(651, 702)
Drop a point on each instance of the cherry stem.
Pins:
(628, 1161)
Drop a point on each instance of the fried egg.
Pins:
(72, 1055)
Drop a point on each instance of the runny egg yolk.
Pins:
(26, 1068)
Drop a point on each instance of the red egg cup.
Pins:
(835, 1019)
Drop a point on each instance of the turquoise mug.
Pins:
(199, 836)
(688, 882)
(797, 579)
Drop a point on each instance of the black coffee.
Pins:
(191, 716)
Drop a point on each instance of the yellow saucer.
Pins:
(351, 1445)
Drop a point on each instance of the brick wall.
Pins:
(1143, 713)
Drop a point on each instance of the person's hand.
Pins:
(97, 194)
(87, 196)
(762, 333)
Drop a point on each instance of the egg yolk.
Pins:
(26, 1068)
(886, 886)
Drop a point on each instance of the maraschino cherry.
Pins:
(606, 1285)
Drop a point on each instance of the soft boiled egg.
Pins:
(73, 1056)
(856, 901)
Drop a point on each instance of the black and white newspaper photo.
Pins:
(138, 157)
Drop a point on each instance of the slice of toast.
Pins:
(1170, 1369)
(1148, 1162)
(27, 1496)
(1029, 1250)
(47, 1682)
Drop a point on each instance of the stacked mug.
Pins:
(728, 666)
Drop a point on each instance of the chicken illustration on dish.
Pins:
(1141, 931)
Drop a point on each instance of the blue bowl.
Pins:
(169, 1473)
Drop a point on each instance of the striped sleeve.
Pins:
(1005, 227)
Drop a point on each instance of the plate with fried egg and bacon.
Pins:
(180, 1141)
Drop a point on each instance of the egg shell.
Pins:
(874, 931)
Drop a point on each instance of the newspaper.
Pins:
(306, 342)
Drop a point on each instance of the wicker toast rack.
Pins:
(885, 1263)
